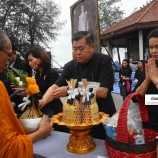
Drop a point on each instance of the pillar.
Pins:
(141, 45)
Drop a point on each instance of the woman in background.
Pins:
(150, 84)
(125, 78)
(139, 74)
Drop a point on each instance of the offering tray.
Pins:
(80, 140)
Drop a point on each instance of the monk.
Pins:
(14, 142)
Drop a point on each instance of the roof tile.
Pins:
(147, 14)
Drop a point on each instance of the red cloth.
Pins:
(128, 86)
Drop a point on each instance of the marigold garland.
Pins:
(32, 87)
(30, 80)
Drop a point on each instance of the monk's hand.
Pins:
(45, 126)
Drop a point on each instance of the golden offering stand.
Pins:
(80, 140)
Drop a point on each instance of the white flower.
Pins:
(17, 79)
(21, 83)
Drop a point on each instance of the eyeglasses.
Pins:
(10, 57)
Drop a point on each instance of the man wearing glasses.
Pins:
(14, 61)
(5, 56)
(10, 57)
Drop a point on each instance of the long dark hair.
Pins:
(40, 53)
(125, 70)
(127, 61)
(153, 34)
(143, 63)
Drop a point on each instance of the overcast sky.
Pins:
(62, 48)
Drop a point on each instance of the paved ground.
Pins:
(118, 100)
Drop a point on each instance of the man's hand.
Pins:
(60, 92)
(41, 103)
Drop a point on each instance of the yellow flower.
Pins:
(32, 89)
(30, 80)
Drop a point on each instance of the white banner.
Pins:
(151, 99)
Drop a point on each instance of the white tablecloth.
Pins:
(55, 145)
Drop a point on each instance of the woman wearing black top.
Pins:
(150, 85)
(139, 74)
(40, 61)
(125, 76)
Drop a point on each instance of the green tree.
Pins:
(31, 22)
(109, 13)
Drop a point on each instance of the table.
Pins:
(54, 146)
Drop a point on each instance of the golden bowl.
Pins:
(58, 119)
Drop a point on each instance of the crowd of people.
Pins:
(146, 76)
(129, 82)
(87, 64)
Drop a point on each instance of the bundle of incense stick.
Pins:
(85, 83)
(72, 83)
(31, 112)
